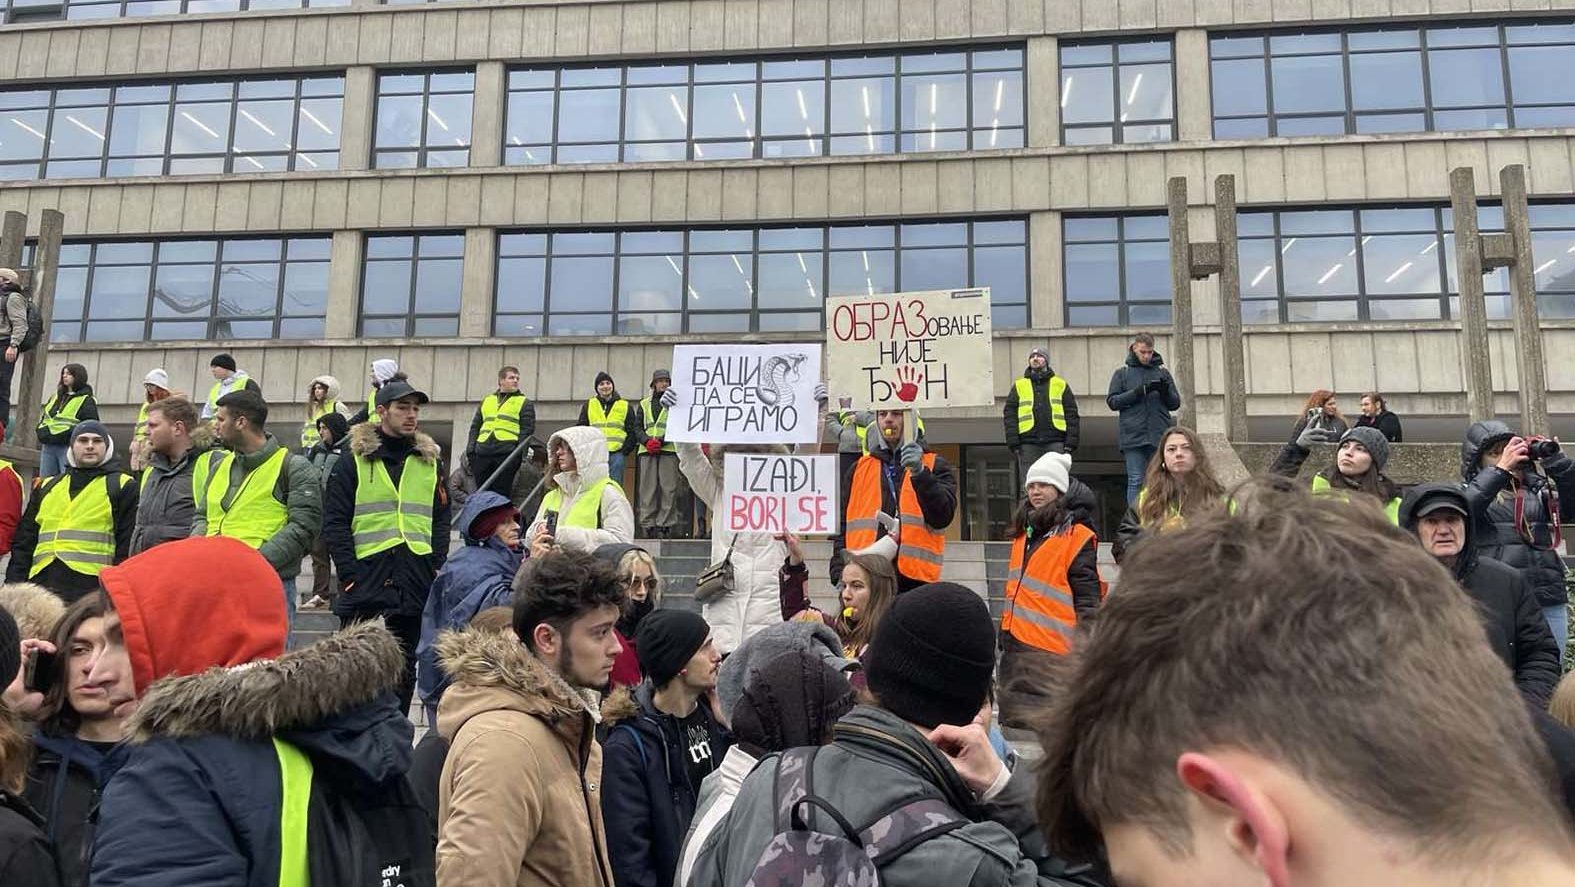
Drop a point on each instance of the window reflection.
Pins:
(1116, 270)
(423, 120)
(410, 285)
(17, 11)
(1116, 92)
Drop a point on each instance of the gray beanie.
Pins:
(1373, 441)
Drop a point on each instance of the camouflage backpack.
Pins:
(850, 857)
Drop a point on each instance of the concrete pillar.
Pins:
(486, 115)
(355, 123)
(1194, 105)
(1231, 351)
(1475, 356)
(1181, 300)
(344, 285)
(34, 370)
(13, 233)
(1047, 289)
(1531, 372)
(477, 282)
(1042, 71)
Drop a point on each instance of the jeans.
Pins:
(615, 462)
(51, 460)
(7, 368)
(1558, 617)
(1137, 466)
(289, 602)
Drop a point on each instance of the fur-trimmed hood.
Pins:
(365, 441)
(35, 608)
(493, 671)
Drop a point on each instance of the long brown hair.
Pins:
(1194, 492)
(14, 750)
(1316, 400)
(882, 579)
(56, 715)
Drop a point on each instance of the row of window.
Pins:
(18, 11)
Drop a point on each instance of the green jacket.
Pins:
(301, 491)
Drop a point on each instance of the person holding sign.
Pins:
(900, 500)
(619, 425)
(1040, 414)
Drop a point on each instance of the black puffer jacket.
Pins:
(25, 855)
(1043, 433)
(1510, 613)
(1144, 414)
(1526, 545)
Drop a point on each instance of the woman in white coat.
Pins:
(754, 602)
(591, 508)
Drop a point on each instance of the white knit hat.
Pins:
(383, 369)
(1054, 469)
(157, 377)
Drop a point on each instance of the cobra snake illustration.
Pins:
(777, 375)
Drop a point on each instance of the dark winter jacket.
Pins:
(25, 855)
(501, 447)
(1043, 433)
(874, 763)
(1387, 423)
(299, 488)
(1144, 414)
(166, 504)
(196, 798)
(477, 576)
(1509, 610)
(324, 455)
(394, 581)
(1529, 545)
(89, 410)
(648, 800)
(58, 577)
(63, 786)
(634, 426)
(936, 490)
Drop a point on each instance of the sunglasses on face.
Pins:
(635, 582)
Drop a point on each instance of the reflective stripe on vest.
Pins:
(140, 431)
(295, 800)
(656, 425)
(255, 514)
(386, 518)
(61, 418)
(586, 513)
(1039, 609)
(1025, 404)
(1321, 485)
(77, 530)
(500, 419)
(610, 422)
(237, 382)
(921, 549)
(309, 433)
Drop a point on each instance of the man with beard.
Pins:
(1040, 415)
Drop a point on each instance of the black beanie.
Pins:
(604, 377)
(790, 701)
(666, 640)
(10, 648)
(336, 423)
(223, 360)
(933, 655)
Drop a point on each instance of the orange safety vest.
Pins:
(1039, 608)
(921, 549)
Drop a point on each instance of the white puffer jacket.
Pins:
(590, 456)
(756, 601)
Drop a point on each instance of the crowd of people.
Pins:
(1343, 669)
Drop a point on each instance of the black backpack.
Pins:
(364, 837)
(35, 324)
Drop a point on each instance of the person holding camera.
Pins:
(1515, 485)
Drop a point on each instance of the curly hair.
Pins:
(559, 588)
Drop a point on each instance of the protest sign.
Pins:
(779, 494)
(745, 394)
(911, 350)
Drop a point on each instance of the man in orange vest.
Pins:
(899, 501)
(1052, 581)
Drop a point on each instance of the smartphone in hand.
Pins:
(552, 523)
(38, 674)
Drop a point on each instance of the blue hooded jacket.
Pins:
(478, 576)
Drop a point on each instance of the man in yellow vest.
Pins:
(504, 418)
(226, 378)
(78, 522)
(662, 486)
(386, 521)
(1040, 415)
(258, 492)
(613, 416)
(899, 499)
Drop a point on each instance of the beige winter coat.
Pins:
(519, 802)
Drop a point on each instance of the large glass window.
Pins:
(1117, 92)
(410, 285)
(743, 279)
(150, 129)
(19, 11)
(1450, 77)
(788, 107)
(1117, 270)
(156, 291)
(423, 119)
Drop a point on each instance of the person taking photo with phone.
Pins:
(584, 507)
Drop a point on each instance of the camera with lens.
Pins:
(1540, 448)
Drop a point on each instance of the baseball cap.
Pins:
(392, 391)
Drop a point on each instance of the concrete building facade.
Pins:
(466, 184)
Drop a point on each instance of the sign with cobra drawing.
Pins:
(745, 394)
(764, 493)
(900, 351)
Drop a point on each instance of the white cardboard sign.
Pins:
(911, 350)
(779, 494)
(745, 394)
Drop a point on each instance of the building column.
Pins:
(1042, 73)
(355, 123)
(1046, 295)
(344, 285)
(486, 115)
(1194, 105)
(477, 282)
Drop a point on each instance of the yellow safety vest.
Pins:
(587, 510)
(255, 514)
(1025, 404)
(610, 422)
(1321, 485)
(61, 418)
(371, 405)
(387, 518)
(140, 432)
(295, 801)
(500, 419)
(77, 530)
(656, 423)
(237, 383)
(309, 435)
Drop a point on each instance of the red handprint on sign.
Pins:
(908, 379)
